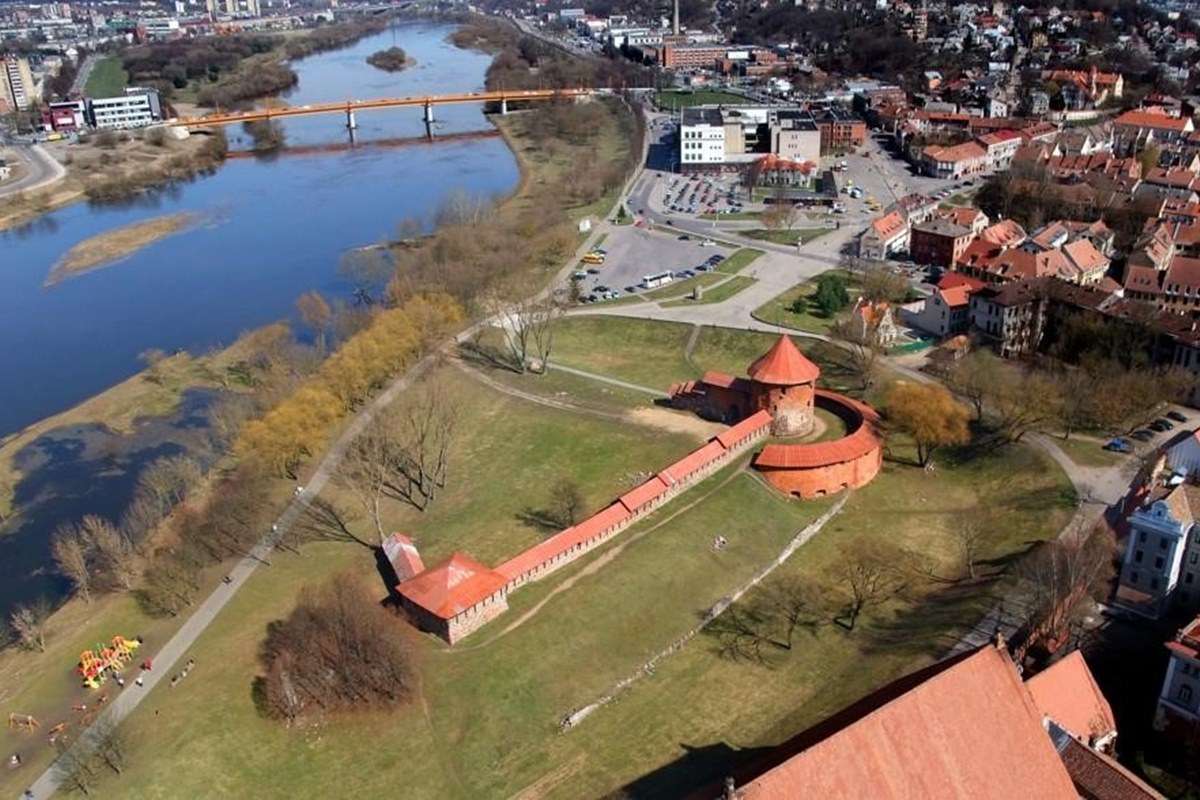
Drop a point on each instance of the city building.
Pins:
(939, 242)
(16, 84)
(1178, 711)
(66, 116)
(137, 108)
(1159, 567)
(702, 137)
(841, 131)
(886, 235)
(955, 162)
(795, 136)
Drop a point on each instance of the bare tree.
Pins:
(426, 427)
(970, 536)
(1062, 574)
(325, 521)
(76, 769)
(869, 573)
(527, 327)
(108, 744)
(366, 471)
(70, 554)
(29, 624)
(111, 550)
(859, 350)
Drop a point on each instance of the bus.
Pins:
(657, 279)
(593, 258)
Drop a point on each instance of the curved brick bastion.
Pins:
(818, 469)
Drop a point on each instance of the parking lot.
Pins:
(632, 253)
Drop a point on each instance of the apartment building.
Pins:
(702, 137)
(16, 84)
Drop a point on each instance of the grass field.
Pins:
(739, 261)
(1089, 452)
(486, 724)
(718, 294)
(685, 286)
(701, 97)
(793, 236)
(108, 78)
(794, 309)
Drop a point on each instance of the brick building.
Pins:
(939, 241)
(841, 131)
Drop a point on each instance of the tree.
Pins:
(831, 295)
(366, 469)
(1029, 403)
(1148, 158)
(339, 649)
(111, 550)
(859, 350)
(1062, 574)
(108, 744)
(76, 769)
(766, 625)
(970, 536)
(28, 622)
(869, 573)
(316, 314)
(881, 285)
(527, 327)
(929, 414)
(70, 555)
(975, 377)
(425, 429)
(566, 502)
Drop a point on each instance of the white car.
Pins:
(708, 243)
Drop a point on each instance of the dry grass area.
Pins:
(111, 246)
(88, 164)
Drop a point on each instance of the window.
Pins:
(1189, 577)
(1133, 577)
(1195, 557)
(1142, 536)
(1137, 557)
(1153, 583)
(1158, 563)
(1185, 694)
(1162, 544)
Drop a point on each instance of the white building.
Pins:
(137, 108)
(702, 137)
(16, 84)
(1179, 699)
(1162, 557)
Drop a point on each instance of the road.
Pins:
(82, 75)
(43, 170)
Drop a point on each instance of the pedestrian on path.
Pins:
(138, 680)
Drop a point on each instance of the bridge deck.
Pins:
(350, 106)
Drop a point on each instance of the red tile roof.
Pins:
(956, 296)
(967, 151)
(403, 556)
(889, 225)
(1005, 233)
(453, 586)
(1099, 777)
(951, 280)
(563, 541)
(784, 365)
(1184, 272)
(1187, 641)
(858, 443)
(634, 499)
(692, 462)
(747, 427)
(1067, 693)
(1145, 119)
(967, 729)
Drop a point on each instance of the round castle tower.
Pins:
(784, 383)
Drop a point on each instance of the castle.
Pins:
(458, 596)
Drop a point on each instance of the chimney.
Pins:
(675, 25)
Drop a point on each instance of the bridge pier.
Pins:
(428, 114)
(503, 106)
(351, 122)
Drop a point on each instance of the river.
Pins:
(276, 228)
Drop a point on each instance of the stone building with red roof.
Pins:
(454, 598)
(1178, 709)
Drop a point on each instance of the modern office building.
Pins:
(137, 108)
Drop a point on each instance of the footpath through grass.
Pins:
(107, 79)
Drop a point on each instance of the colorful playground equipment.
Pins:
(23, 722)
(101, 662)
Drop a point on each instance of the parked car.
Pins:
(603, 289)
(1142, 435)
(1119, 445)
(704, 268)
(716, 258)
(1175, 415)
(593, 271)
(578, 275)
(689, 273)
(1157, 425)
(708, 243)
(683, 237)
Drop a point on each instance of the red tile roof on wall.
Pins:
(1067, 693)
(634, 499)
(453, 586)
(969, 729)
(696, 460)
(746, 428)
(563, 541)
(403, 556)
(784, 365)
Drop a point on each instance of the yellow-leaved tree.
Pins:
(929, 414)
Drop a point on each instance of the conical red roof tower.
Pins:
(784, 365)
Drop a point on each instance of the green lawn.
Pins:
(485, 723)
(794, 309)
(701, 97)
(794, 236)
(108, 78)
(737, 215)
(718, 294)
(739, 261)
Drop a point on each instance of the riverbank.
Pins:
(104, 169)
(106, 249)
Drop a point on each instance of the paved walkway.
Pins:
(177, 646)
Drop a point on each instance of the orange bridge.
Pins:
(349, 107)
